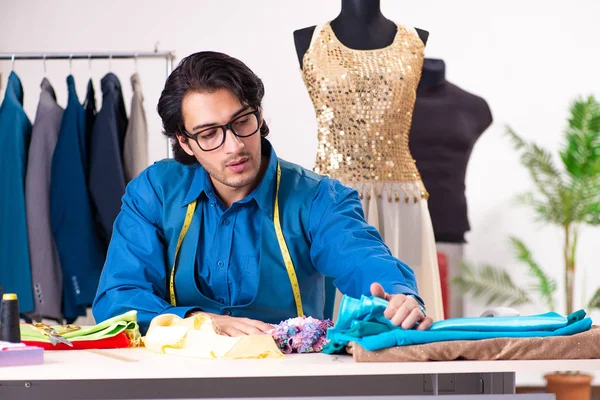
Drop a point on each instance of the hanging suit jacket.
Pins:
(135, 152)
(45, 265)
(81, 253)
(90, 118)
(15, 133)
(107, 177)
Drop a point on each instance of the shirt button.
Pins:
(212, 204)
(226, 222)
(220, 263)
(226, 311)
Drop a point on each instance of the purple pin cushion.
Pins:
(301, 334)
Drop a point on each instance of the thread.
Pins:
(9, 319)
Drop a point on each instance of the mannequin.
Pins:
(360, 26)
(361, 71)
(447, 121)
(433, 74)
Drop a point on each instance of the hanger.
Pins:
(135, 60)
(90, 64)
(71, 64)
(110, 62)
(44, 62)
(12, 61)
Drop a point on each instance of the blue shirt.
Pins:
(228, 257)
(326, 233)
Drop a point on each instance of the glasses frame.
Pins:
(224, 128)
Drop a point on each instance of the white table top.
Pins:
(142, 364)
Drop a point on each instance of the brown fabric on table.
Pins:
(584, 345)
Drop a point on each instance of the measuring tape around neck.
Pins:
(287, 259)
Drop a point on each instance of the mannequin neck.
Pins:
(360, 11)
(434, 73)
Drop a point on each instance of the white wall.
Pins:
(527, 58)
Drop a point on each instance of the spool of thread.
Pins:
(9, 319)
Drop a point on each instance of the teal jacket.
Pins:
(15, 134)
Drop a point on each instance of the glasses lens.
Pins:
(210, 139)
(245, 125)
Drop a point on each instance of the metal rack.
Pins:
(168, 56)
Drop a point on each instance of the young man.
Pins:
(229, 229)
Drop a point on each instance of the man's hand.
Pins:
(234, 326)
(402, 310)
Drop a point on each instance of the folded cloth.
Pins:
(584, 345)
(196, 336)
(119, 341)
(118, 332)
(362, 321)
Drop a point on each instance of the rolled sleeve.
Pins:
(135, 272)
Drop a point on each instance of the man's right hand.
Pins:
(235, 326)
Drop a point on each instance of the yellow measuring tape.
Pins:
(186, 225)
(289, 265)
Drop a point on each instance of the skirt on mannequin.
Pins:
(401, 215)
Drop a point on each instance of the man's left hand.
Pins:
(402, 310)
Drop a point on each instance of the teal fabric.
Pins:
(362, 321)
(15, 134)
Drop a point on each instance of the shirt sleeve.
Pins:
(348, 249)
(135, 272)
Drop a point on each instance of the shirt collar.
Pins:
(263, 194)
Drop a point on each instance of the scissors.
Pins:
(55, 335)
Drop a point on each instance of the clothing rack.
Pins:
(168, 56)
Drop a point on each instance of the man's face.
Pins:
(236, 164)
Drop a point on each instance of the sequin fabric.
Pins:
(301, 335)
(364, 101)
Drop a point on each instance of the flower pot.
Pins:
(569, 386)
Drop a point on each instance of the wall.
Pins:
(527, 59)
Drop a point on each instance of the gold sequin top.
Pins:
(364, 101)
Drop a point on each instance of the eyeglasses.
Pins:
(242, 126)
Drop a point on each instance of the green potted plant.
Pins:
(565, 196)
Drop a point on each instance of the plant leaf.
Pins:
(491, 284)
(547, 178)
(595, 301)
(546, 286)
(585, 201)
(581, 150)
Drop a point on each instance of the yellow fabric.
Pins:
(196, 336)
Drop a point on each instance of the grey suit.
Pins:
(45, 266)
(135, 151)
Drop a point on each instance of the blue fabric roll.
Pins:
(362, 321)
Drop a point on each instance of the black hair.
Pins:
(205, 71)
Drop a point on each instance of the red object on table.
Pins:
(446, 291)
(120, 341)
